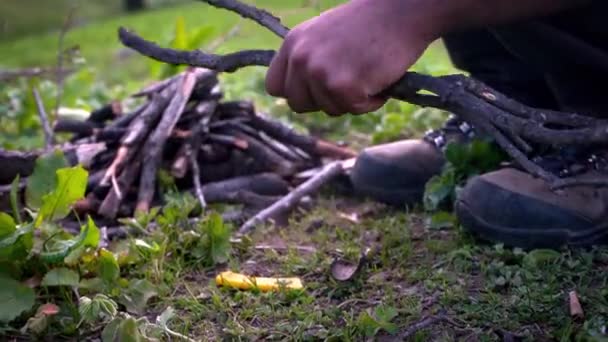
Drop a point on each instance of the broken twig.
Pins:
(49, 140)
(288, 202)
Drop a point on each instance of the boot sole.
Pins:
(523, 238)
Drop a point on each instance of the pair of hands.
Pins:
(341, 60)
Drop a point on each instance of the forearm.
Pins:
(443, 16)
(459, 14)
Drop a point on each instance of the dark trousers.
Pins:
(559, 62)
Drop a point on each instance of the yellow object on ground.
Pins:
(244, 282)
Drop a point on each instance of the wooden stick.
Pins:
(49, 140)
(288, 202)
(192, 145)
(111, 204)
(196, 177)
(139, 128)
(423, 324)
(153, 148)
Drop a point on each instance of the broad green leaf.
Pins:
(128, 331)
(14, 198)
(367, 324)
(71, 186)
(219, 235)
(7, 225)
(61, 277)
(15, 298)
(136, 297)
(108, 266)
(62, 249)
(17, 244)
(43, 180)
(384, 316)
(386, 313)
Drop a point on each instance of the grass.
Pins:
(490, 292)
(99, 46)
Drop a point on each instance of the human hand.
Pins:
(341, 60)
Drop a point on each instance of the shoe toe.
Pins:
(396, 173)
(501, 214)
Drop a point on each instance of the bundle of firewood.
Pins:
(221, 151)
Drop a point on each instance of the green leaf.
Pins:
(60, 277)
(110, 332)
(442, 220)
(17, 245)
(457, 154)
(90, 235)
(15, 298)
(109, 270)
(71, 186)
(386, 313)
(137, 296)
(128, 331)
(367, 324)
(100, 308)
(438, 189)
(146, 248)
(88, 311)
(109, 308)
(540, 257)
(180, 38)
(43, 180)
(7, 225)
(14, 198)
(219, 235)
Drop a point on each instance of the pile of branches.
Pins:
(515, 127)
(221, 151)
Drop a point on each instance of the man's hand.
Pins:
(341, 60)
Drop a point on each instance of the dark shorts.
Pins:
(558, 62)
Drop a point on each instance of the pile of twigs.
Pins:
(221, 151)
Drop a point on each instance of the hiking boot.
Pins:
(396, 173)
(512, 207)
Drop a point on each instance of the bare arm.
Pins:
(339, 61)
(450, 15)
